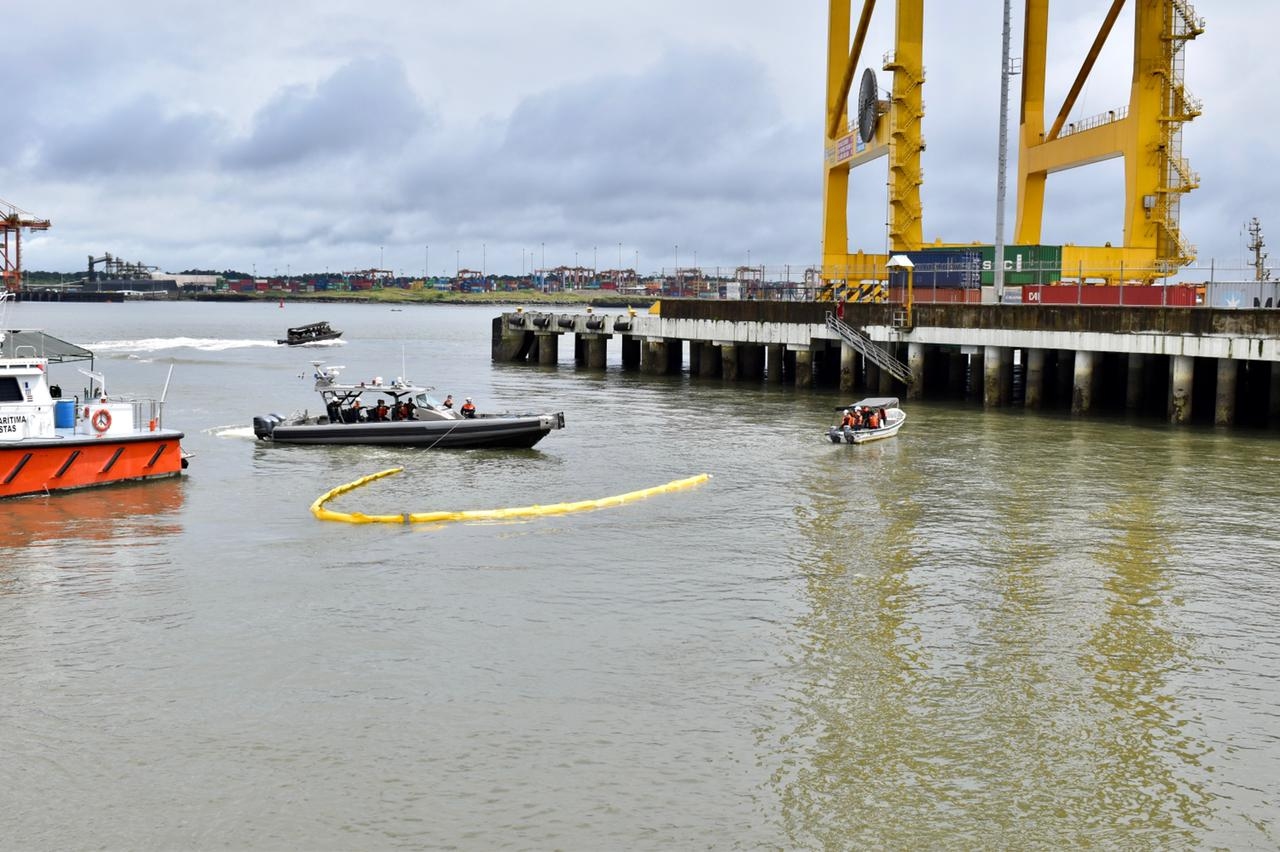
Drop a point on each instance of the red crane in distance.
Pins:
(13, 220)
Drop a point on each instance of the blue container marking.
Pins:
(64, 413)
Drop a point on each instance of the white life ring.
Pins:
(101, 420)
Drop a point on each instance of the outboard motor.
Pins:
(265, 424)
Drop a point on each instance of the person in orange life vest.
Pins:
(847, 423)
(468, 410)
(381, 412)
(403, 411)
(873, 420)
(448, 401)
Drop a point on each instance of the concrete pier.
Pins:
(548, 349)
(804, 368)
(1182, 371)
(1224, 405)
(597, 351)
(1135, 378)
(1082, 383)
(1033, 387)
(848, 367)
(709, 360)
(729, 362)
(991, 363)
(915, 361)
(1085, 357)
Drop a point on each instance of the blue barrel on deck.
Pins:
(64, 413)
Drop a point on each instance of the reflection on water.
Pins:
(992, 662)
(1148, 765)
(134, 510)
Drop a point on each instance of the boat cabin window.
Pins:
(426, 400)
(10, 391)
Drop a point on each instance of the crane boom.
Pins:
(13, 220)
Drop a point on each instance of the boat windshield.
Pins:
(426, 400)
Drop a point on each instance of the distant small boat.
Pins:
(888, 418)
(311, 333)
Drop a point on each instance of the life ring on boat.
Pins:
(101, 420)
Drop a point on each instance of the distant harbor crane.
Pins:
(13, 220)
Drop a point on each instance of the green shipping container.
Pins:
(1023, 265)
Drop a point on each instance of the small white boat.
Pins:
(883, 411)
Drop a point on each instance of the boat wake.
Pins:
(160, 344)
(235, 431)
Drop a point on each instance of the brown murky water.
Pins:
(1000, 630)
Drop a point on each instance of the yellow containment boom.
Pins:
(318, 509)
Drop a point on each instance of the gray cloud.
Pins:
(365, 107)
(141, 136)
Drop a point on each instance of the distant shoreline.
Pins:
(411, 297)
(395, 297)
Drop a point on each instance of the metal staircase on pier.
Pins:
(860, 341)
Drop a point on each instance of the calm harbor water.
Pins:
(1000, 630)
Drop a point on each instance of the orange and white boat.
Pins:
(50, 442)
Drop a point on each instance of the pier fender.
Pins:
(542, 320)
(595, 323)
(621, 324)
(516, 321)
(566, 321)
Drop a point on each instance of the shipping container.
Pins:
(939, 268)
(1023, 264)
(1174, 295)
(1243, 294)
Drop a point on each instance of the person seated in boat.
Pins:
(448, 401)
(468, 408)
(404, 411)
(846, 422)
(884, 418)
(381, 411)
(873, 420)
(334, 411)
(353, 414)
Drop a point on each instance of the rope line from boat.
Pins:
(318, 507)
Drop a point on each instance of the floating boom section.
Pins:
(890, 129)
(1147, 133)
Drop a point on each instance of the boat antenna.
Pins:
(165, 392)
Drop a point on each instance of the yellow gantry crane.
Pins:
(1146, 132)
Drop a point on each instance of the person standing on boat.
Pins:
(448, 401)
(468, 409)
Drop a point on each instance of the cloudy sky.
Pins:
(289, 136)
